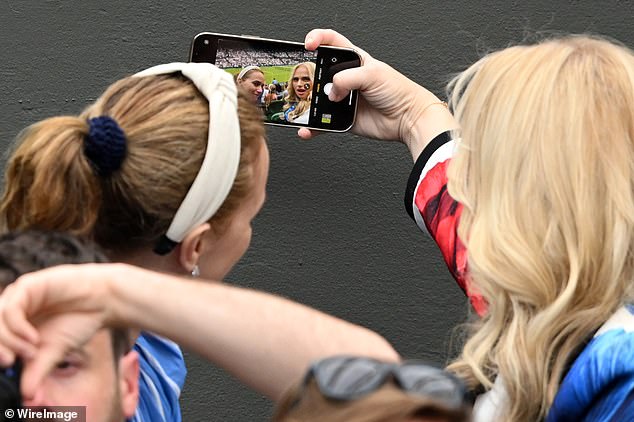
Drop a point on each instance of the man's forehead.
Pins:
(98, 347)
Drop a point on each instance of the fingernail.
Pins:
(308, 40)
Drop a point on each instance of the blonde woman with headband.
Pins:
(251, 80)
(300, 93)
(166, 170)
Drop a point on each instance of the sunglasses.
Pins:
(349, 378)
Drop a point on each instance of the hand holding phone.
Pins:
(289, 83)
(391, 106)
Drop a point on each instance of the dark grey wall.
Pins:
(333, 233)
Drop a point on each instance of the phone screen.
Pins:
(288, 83)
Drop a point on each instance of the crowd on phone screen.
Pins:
(273, 91)
(538, 189)
(238, 58)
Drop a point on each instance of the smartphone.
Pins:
(288, 83)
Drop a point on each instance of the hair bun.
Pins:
(105, 145)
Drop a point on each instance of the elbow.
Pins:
(383, 350)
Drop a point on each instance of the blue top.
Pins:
(600, 384)
(162, 375)
(288, 111)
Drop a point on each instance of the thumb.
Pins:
(306, 134)
(347, 80)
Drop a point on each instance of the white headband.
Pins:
(247, 70)
(220, 164)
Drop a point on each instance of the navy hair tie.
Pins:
(105, 145)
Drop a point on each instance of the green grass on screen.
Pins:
(281, 73)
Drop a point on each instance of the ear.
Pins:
(129, 382)
(191, 247)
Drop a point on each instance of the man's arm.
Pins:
(264, 340)
(267, 342)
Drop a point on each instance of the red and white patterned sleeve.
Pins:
(437, 213)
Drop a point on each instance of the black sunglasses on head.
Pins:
(349, 378)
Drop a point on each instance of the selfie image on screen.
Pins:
(279, 81)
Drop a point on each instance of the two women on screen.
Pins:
(298, 94)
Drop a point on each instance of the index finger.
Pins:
(13, 317)
(37, 368)
(314, 39)
(318, 37)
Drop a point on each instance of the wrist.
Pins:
(429, 117)
(121, 279)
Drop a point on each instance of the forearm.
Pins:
(265, 341)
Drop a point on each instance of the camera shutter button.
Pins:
(327, 88)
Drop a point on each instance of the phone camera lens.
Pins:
(334, 60)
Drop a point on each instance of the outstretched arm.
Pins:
(265, 341)
(393, 107)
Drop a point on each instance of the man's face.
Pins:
(89, 377)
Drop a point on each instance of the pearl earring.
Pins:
(196, 271)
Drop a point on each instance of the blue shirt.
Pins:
(162, 375)
(600, 384)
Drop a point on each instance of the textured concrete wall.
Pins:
(333, 233)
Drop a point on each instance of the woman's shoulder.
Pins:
(600, 383)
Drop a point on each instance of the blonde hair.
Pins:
(545, 170)
(50, 185)
(292, 98)
(387, 404)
